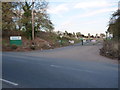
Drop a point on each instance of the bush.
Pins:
(45, 47)
(110, 49)
(32, 47)
(14, 46)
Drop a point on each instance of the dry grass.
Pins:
(110, 49)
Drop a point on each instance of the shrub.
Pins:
(14, 46)
(32, 47)
(45, 47)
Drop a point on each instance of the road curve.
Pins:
(67, 67)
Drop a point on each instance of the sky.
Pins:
(85, 16)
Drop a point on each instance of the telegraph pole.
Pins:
(119, 5)
(33, 34)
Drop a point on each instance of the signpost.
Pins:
(15, 40)
(81, 40)
(61, 39)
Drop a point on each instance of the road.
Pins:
(68, 67)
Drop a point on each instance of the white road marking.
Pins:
(56, 66)
(6, 81)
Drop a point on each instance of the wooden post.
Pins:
(33, 20)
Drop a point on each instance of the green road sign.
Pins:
(81, 38)
(16, 40)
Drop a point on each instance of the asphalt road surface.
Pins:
(68, 67)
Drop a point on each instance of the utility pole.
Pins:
(33, 33)
(119, 5)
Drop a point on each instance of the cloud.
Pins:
(88, 14)
(92, 4)
(67, 23)
(85, 16)
(58, 9)
(73, 22)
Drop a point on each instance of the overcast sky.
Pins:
(85, 16)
